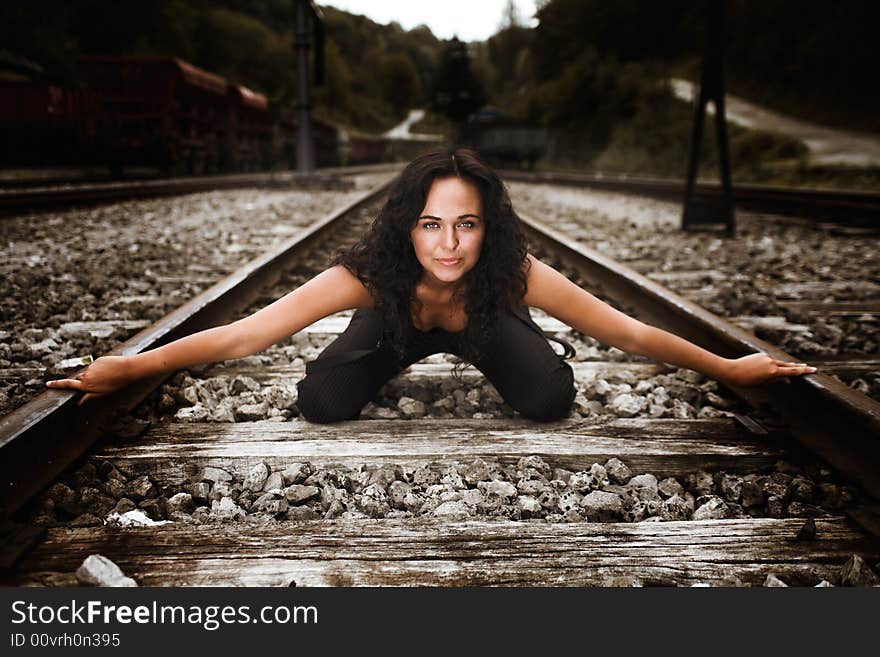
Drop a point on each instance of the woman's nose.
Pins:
(450, 238)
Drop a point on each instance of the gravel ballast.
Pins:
(97, 492)
(79, 282)
(750, 277)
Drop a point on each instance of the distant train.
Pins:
(502, 141)
(159, 112)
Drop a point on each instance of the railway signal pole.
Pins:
(307, 16)
(710, 210)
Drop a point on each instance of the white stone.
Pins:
(180, 502)
(210, 473)
(455, 510)
(582, 481)
(643, 386)
(411, 407)
(252, 412)
(773, 581)
(274, 480)
(713, 509)
(46, 346)
(256, 478)
(617, 471)
(227, 508)
(296, 473)
(602, 506)
(98, 570)
(500, 488)
(133, 518)
(196, 413)
(627, 405)
(529, 506)
(646, 480)
(472, 497)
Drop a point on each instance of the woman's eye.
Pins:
(431, 225)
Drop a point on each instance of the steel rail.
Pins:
(833, 421)
(45, 197)
(835, 206)
(40, 439)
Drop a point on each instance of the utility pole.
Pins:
(308, 20)
(712, 210)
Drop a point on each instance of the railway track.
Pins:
(854, 209)
(18, 199)
(808, 288)
(821, 417)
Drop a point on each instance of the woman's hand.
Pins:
(759, 368)
(105, 375)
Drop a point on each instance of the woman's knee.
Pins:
(549, 398)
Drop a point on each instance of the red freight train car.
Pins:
(248, 142)
(41, 122)
(157, 111)
(160, 112)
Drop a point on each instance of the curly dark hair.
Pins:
(385, 261)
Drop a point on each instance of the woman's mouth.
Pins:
(449, 262)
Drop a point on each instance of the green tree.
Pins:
(134, 27)
(246, 51)
(334, 97)
(400, 83)
(40, 32)
(510, 16)
(505, 65)
(374, 72)
(457, 92)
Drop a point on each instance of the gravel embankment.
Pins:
(79, 282)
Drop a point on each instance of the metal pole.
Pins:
(694, 160)
(719, 210)
(721, 130)
(305, 150)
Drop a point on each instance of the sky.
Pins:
(469, 20)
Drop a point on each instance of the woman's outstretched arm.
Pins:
(331, 291)
(555, 294)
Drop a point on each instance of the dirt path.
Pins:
(827, 145)
(402, 130)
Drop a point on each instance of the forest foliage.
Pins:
(374, 73)
(593, 73)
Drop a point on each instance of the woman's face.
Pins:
(448, 235)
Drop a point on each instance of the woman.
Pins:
(443, 268)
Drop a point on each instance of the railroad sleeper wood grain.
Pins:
(468, 553)
(173, 453)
